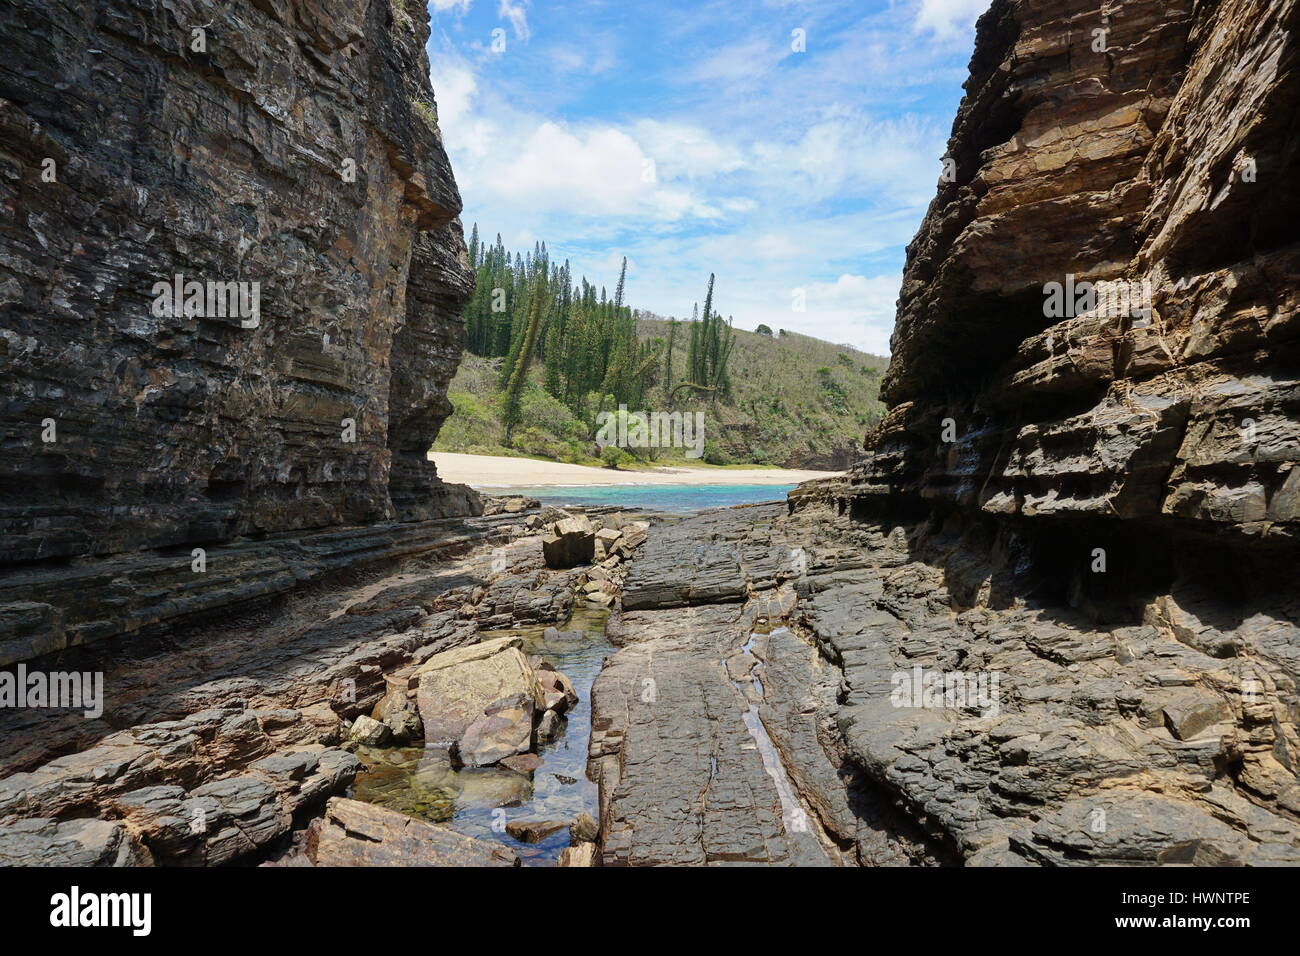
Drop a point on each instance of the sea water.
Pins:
(677, 499)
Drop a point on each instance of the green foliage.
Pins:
(526, 308)
(612, 456)
(708, 353)
(473, 425)
(782, 408)
(764, 330)
(425, 112)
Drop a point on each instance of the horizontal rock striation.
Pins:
(1165, 163)
(1086, 480)
(284, 156)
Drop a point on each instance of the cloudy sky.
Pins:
(693, 137)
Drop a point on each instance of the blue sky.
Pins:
(690, 136)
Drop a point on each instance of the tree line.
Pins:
(531, 313)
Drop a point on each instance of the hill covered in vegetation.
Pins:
(550, 357)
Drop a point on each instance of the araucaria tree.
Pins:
(709, 350)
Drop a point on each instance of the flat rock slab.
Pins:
(681, 780)
(361, 834)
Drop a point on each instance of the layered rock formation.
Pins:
(1166, 162)
(1094, 499)
(285, 156)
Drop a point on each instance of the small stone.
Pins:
(550, 727)
(584, 829)
(533, 831)
(584, 854)
(369, 732)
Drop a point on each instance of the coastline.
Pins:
(492, 471)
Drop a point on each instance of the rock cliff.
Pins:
(1086, 481)
(1165, 164)
(281, 159)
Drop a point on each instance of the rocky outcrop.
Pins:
(285, 158)
(1106, 144)
(1084, 487)
(816, 687)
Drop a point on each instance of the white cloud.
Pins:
(440, 5)
(852, 155)
(454, 87)
(515, 11)
(594, 57)
(682, 150)
(771, 180)
(949, 19)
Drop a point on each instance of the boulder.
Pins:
(455, 688)
(633, 535)
(571, 542)
(557, 690)
(352, 833)
(505, 729)
(404, 721)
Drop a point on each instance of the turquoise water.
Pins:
(673, 498)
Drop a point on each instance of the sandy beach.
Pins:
(488, 471)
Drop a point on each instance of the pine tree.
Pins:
(510, 407)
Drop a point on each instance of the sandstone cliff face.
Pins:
(288, 143)
(1100, 501)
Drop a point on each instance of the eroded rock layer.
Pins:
(286, 151)
(1092, 499)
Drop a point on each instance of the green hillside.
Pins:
(794, 402)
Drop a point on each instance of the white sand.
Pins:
(489, 471)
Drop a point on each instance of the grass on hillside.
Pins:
(796, 402)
